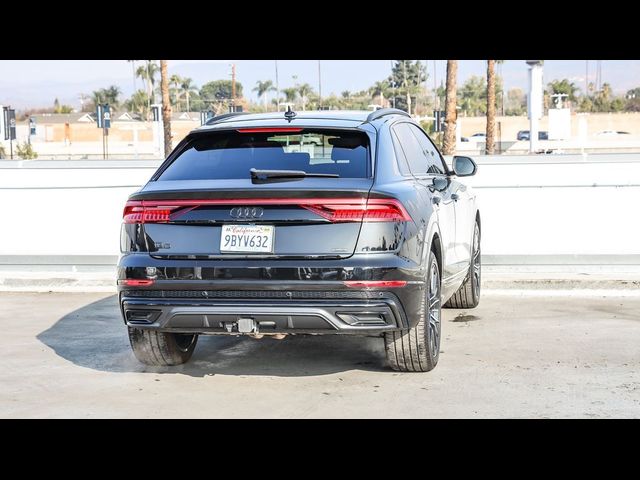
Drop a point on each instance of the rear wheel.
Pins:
(160, 348)
(416, 349)
(468, 295)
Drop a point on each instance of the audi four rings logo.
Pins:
(246, 212)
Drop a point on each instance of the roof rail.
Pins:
(224, 116)
(381, 112)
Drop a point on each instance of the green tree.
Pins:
(516, 103)
(218, 92)
(473, 96)
(57, 108)
(188, 89)
(147, 73)
(632, 100)
(406, 81)
(138, 104)
(25, 151)
(108, 95)
(174, 90)
(304, 91)
(262, 89)
(290, 94)
(379, 89)
(563, 86)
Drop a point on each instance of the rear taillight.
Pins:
(136, 212)
(375, 210)
(332, 209)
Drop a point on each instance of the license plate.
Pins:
(247, 238)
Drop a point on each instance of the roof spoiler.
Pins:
(224, 116)
(381, 112)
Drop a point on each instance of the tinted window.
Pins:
(433, 156)
(231, 154)
(400, 156)
(412, 150)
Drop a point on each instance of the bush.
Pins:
(25, 151)
(2, 152)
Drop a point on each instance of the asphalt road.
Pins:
(67, 355)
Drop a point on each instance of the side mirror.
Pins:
(440, 183)
(464, 166)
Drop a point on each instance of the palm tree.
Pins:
(107, 95)
(304, 90)
(379, 89)
(166, 107)
(133, 69)
(143, 73)
(449, 143)
(187, 88)
(148, 74)
(262, 88)
(491, 107)
(290, 94)
(138, 103)
(112, 93)
(174, 91)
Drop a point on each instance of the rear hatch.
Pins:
(204, 203)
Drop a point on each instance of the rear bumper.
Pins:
(213, 297)
(218, 317)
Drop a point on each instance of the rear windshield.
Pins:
(231, 154)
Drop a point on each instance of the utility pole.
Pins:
(394, 85)
(233, 85)
(319, 85)
(277, 87)
(534, 102)
(586, 81)
(436, 99)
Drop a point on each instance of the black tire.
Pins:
(417, 349)
(468, 295)
(161, 349)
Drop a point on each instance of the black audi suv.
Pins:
(328, 222)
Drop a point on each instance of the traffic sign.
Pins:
(99, 116)
(106, 115)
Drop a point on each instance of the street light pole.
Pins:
(277, 88)
(319, 85)
(535, 101)
(233, 85)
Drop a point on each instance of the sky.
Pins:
(36, 83)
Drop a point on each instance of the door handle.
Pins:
(455, 197)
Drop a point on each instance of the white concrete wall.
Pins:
(530, 205)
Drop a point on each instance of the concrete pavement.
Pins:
(67, 355)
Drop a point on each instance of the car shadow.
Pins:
(95, 337)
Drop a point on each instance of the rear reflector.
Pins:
(269, 130)
(332, 209)
(134, 282)
(375, 283)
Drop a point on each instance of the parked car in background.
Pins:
(478, 137)
(611, 133)
(369, 233)
(524, 135)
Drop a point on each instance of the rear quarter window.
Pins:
(231, 154)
